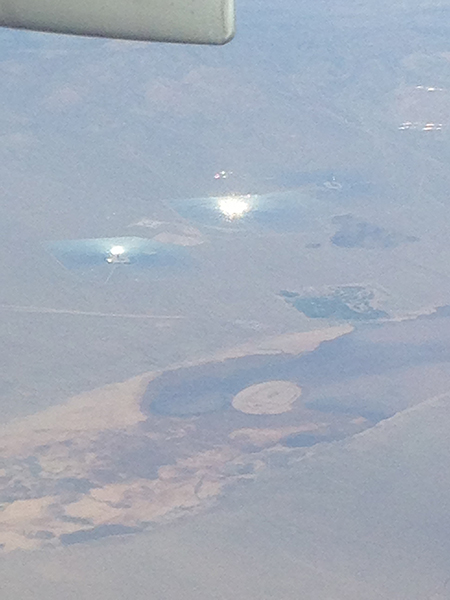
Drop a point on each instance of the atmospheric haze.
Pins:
(224, 310)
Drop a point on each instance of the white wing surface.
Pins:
(185, 21)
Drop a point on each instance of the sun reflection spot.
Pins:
(233, 207)
(117, 250)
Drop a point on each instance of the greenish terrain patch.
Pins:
(346, 303)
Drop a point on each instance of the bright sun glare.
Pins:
(117, 250)
(233, 208)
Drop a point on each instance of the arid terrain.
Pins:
(97, 465)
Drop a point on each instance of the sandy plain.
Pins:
(268, 398)
(98, 462)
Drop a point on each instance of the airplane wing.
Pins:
(184, 21)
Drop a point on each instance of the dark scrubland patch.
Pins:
(96, 533)
(76, 520)
(176, 393)
(360, 234)
(349, 406)
(43, 535)
(125, 456)
(323, 308)
(345, 303)
(73, 484)
(302, 440)
(207, 388)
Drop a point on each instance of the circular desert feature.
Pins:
(268, 398)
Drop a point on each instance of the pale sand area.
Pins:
(268, 398)
(117, 406)
(69, 442)
(114, 406)
(289, 343)
(182, 488)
